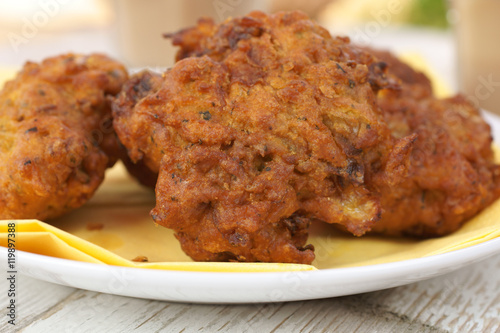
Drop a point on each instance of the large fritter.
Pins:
(56, 134)
(265, 123)
(274, 122)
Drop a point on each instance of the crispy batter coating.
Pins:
(268, 123)
(452, 175)
(56, 134)
(138, 87)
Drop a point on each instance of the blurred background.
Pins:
(130, 30)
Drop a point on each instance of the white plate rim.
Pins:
(246, 287)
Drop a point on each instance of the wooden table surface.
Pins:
(467, 300)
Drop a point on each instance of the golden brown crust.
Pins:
(56, 134)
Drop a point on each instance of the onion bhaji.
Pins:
(56, 134)
(267, 122)
(451, 174)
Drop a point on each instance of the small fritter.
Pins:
(452, 175)
(56, 134)
(139, 86)
(268, 123)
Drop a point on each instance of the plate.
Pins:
(201, 287)
(211, 287)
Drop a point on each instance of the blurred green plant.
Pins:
(430, 13)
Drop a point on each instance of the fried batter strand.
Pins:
(56, 134)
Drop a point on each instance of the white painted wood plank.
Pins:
(87, 311)
(464, 301)
(90, 312)
(33, 297)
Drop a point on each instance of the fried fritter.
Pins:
(56, 134)
(268, 123)
(452, 175)
(138, 87)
